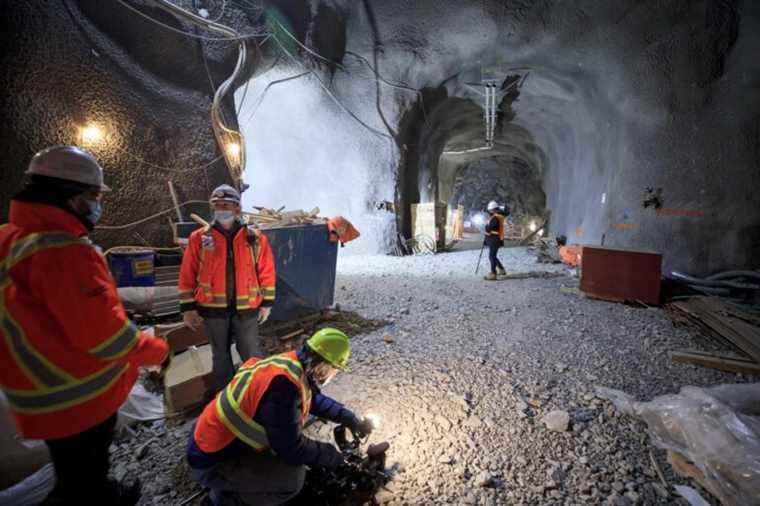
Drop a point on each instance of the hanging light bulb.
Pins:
(233, 149)
(91, 134)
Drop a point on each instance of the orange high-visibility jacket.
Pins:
(203, 280)
(499, 226)
(68, 352)
(230, 415)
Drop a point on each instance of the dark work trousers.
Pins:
(81, 467)
(223, 330)
(493, 250)
(257, 479)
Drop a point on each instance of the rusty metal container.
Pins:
(620, 274)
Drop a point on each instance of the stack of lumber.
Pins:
(272, 218)
(724, 322)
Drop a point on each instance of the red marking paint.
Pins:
(665, 211)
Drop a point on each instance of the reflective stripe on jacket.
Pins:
(68, 352)
(231, 414)
(203, 280)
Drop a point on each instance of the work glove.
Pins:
(264, 313)
(330, 457)
(192, 319)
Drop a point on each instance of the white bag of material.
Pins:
(141, 406)
(718, 429)
(31, 491)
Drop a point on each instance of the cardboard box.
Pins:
(189, 377)
(181, 337)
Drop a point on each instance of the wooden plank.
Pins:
(723, 321)
(714, 361)
(687, 469)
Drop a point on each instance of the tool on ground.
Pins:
(356, 482)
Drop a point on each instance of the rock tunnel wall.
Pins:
(67, 64)
(614, 97)
(618, 96)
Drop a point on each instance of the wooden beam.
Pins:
(175, 200)
(715, 361)
(723, 321)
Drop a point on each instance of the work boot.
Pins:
(500, 271)
(491, 277)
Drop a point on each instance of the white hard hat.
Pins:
(492, 205)
(69, 163)
(225, 193)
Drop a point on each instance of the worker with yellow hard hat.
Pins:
(248, 446)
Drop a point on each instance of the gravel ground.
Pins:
(462, 377)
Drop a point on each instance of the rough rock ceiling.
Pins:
(617, 96)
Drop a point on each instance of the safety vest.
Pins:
(230, 415)
(203, 275)
(68, 353)
(500, 231)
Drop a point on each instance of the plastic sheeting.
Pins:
(718, 429)
(31, 491)
(141, 406)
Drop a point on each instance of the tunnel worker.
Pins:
(494, 239)
(248, 446)
(68, 353)
(227, 284)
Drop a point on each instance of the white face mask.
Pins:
(225, 218)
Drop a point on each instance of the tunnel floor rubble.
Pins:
(466, 380)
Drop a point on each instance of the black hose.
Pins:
(734, 274)
(710, 290)
(690, 280)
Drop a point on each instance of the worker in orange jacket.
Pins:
(68, 353)
(248, 446)
(494, 239)
(227, 283)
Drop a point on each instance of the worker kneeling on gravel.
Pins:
(227, 283)
(248, 446)
(494, 239)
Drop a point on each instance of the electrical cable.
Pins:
(399, 85)
(308, 50)
(221, 13)
(273, 83)
(332, 96)
(151, 217)
(168, 169)
(189, 34)
(248, 81)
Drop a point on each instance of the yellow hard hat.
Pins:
(332, 345)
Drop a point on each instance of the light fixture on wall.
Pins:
(233, 149)
(91, 134)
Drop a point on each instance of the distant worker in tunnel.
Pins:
(248, 446)
(69, 355)
(494, 239)
(227, 284)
